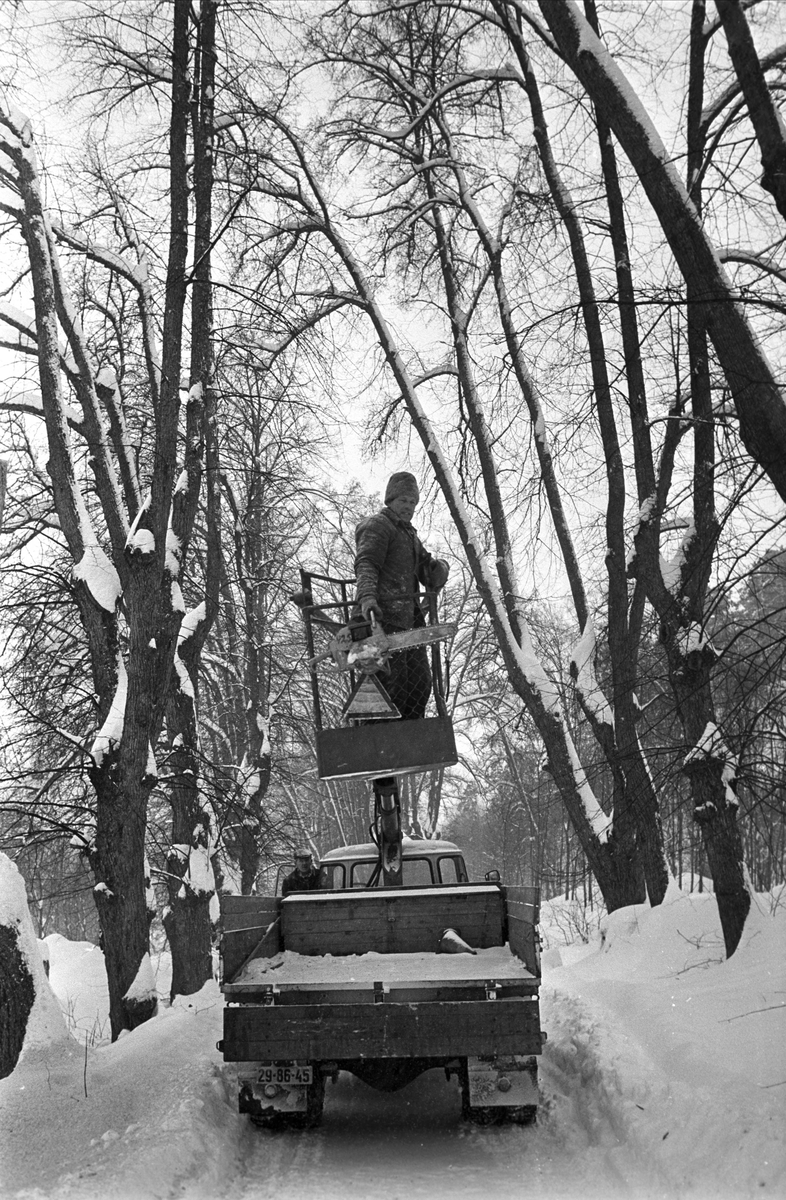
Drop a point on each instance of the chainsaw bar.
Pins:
(371, 653)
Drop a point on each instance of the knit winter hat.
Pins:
(401, 483)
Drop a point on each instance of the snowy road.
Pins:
(411, 1144)
(663, 1078)
(612, 1124)
(401, 1145)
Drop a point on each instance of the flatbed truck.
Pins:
(386, 983)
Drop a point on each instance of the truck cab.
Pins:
(424, 864)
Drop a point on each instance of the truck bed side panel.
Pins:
(523, 914)
(347, 1031)
(244, 921)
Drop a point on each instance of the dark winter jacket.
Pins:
(391, 559)
(294, 882)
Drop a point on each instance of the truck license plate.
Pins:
(285, 1075)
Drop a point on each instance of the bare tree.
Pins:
(413, 125)
(127, 542)
(426, 204)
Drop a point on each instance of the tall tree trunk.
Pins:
(708, 766)
(118, 861)
(190, 882)
(131, 687)
(637, 823)
(614, 858)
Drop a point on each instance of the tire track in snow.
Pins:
(406, 1145)
(413, 1145)
(598, 1133)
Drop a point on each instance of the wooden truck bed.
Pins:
(388, 921)
(303, 972)
(351, 975)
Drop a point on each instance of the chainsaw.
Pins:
(372, 654)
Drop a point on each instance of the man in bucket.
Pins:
(391, 560)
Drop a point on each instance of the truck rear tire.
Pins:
(315, 1101)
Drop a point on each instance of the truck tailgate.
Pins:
(382, 1005)
(428, 1029)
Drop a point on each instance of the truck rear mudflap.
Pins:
(500, 1082)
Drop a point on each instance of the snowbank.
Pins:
(668, 1060)
(132, 1120)
(77, 976)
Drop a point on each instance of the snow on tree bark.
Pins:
(711, 769)
(759, 400)
(31, 1016)
(190, 881)
(528, 678)
(635, 801)
(460, 307)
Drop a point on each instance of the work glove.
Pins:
(438, 574)
(370, 605)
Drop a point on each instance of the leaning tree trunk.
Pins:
(611, 853)
(756, 389)
(614, 858)
(762, 110)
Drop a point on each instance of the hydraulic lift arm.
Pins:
(386, 832)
